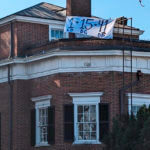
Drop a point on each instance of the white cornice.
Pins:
(86, 98)
(141, 96)
(87, 94)
(68, 62)
(41, 98)
(72, 53)
(31, 20)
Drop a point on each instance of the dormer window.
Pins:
(57, 32)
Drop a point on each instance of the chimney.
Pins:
(79, 8)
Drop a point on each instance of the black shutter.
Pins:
(68, 123)
(0, 131)
(33, 127)
(51, 125)
(103, 120)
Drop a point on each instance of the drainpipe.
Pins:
(122, 91)
(10, 85)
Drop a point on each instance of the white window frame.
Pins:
(40, 102)
(91, 98)
(56, 27)
(138, 100)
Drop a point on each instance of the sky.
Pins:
(101, 8)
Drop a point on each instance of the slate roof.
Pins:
(43, 10)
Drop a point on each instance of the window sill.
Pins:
(86, 142)
(42, 145)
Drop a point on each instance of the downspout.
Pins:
(10, 85)
(122, 91)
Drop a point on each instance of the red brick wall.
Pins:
(4, 41)
(30, 35)
(4, 109)
(59, 86)
(26, 36)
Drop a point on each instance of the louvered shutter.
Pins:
(69, 123)
(51, 125)
(103, 120)
(33, 127)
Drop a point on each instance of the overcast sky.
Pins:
(101, 8)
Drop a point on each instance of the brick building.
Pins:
(62, 93)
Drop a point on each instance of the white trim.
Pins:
(41, 98)
(42, 145)
(88, 94)
(30, 20)
(66, 62)
(86, 98)
(138, 100)
(59, 27)
(89, 98)
(40, 102)
(136, 95)
(72, 53)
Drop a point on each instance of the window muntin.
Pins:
(43, 125)
(86, 122)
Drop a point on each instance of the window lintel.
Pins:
(41, 98)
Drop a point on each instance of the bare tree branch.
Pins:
(141, 3)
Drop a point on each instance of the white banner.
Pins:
(101, 28)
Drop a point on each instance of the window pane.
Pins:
(61, 34)
(92, 109)
(86, 135)
(80, 136)
(52, 33)
(43, 124)
(86, 109)
(57, 34)
(80, 117)
(93, 127)
(92, 117)
(93, 136)
(86, 127)
(80, 109)
(86, 117)
(80, 127)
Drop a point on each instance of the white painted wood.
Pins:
(64, 62)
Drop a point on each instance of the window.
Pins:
(86, 122)
(138, 100)
(86, 117)
(43, 122)
(57, 32)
